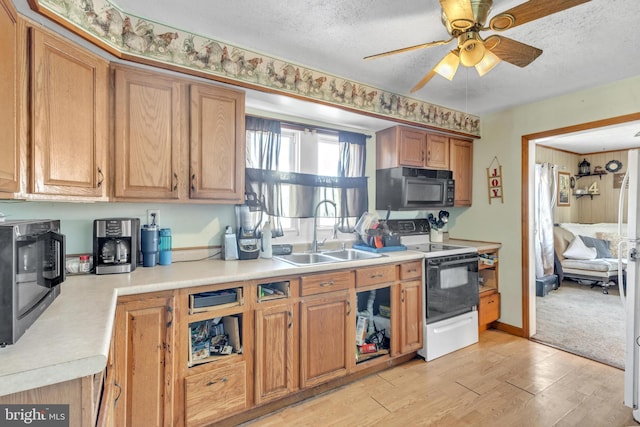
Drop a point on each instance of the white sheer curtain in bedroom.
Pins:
(546, 178)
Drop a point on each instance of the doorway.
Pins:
(528, 148)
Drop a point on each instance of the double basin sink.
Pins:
(313, 258)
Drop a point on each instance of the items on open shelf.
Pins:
(214, 300)
(373, 324)
(214, 338)
(273, 290)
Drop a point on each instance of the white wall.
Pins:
(501, 137)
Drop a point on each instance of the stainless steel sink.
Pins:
(306, 258)
(351, 254)
(301, 259)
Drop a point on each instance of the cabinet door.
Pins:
(461, 163)
(149, 111)
(411, 316)
(10, 159)
(70, 118)
(274, 353)
(325, 347)
(437, 152)
(217, 144)
(144, 361)
(412, 147)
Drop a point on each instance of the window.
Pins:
(291, 170)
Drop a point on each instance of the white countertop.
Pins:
(71, 338)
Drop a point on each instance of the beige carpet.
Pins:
(584, 321)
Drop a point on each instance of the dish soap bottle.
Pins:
(267, 249)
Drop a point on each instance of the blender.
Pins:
(248, 218)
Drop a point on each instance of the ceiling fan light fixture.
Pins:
(471, 48)
(448, 66)
(489, 61)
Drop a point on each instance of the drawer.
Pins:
(489, 309)
(411, 270)
(214, 394)
(378, 274)
(328, 282)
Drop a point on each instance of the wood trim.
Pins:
(524, 202)
(510, 329)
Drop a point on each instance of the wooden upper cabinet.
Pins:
(10, 159)
(217, 144)
(177, 140)
(69, 118)
(412, 144)
(405, 146)
(148, 137)
(461, 163)
(400, 146)
(437, 156)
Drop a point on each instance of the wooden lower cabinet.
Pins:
(326, 337)
(144, 370)
(411, 336)
(489, 310)
(81, 394)
(214, 394)
(275, 353)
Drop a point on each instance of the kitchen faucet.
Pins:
(315, 243)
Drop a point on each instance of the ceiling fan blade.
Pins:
(408, 49)
(424, 81)
(458, 12)
(512, 51)
(530, 11)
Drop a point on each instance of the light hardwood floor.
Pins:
(501, 381)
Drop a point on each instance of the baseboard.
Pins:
(510, 329)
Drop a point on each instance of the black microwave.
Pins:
(32, 267)
(405, 188)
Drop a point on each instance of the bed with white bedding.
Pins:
(588, 253)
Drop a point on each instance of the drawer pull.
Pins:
(222, 380)
(329, 283)
(375, 276)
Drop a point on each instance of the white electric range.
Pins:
(450, 289)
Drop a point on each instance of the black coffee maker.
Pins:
(248, 218)
(116, 246)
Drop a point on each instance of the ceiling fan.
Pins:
(465, 19)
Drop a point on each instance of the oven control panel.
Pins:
(406, 227)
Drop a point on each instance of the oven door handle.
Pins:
(454, 262)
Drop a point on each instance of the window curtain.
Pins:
(296, 195)
(545, 199)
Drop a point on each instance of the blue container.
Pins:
(165, 246)
(149, 243)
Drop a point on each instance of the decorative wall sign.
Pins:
(494, 178)
(136, 36)
(564, 185)
(617, 180)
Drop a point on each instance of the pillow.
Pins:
(614, 239)
(578, 250)
(602, 246)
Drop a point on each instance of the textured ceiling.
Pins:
(583, 46)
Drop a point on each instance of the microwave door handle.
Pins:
(50, 240)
